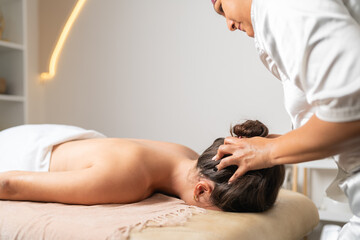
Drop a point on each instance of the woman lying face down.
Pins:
(113, 170)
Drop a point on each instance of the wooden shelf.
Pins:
(11, 98)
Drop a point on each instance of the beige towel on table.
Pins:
(31, 220)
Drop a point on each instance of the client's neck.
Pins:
(182, 180)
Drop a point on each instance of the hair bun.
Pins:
(250, 128)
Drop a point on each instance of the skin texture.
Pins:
(98, 171)
(237, 14)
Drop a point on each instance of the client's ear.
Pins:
(203, 191)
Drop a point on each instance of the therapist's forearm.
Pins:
(273, 135)
(317, 139)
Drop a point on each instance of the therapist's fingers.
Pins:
(233, 140)
(225, 162)
(230, 161)
(246, 153)
(224, 150)
(239, 172)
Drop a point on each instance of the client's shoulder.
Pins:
(167, 147)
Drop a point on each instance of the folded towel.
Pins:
(31, 220)
(29, 147)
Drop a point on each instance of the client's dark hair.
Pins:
(255, 191)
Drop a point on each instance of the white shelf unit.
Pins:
(334, 216)
(329, 210)
(13, 63)
(320, 164)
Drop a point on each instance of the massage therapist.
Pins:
(313, 47)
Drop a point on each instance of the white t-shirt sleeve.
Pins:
(316, 45)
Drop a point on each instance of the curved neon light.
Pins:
(45, 76)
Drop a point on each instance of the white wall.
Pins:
(35, 109)
(165, 70)
(52, 18)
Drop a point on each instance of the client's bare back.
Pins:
(95, 171)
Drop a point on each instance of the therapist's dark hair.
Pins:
(255, 191)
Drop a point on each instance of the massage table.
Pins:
(292, 217)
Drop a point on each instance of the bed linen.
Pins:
(159, 217)
(32, 220)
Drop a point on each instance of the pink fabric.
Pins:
(30, 220)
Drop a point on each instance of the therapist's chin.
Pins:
(248, 29)
(250, 32)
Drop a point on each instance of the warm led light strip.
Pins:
(59, 45)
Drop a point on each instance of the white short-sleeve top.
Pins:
(313, 47)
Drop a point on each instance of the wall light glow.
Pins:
(45, 76)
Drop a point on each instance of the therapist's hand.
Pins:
(247, 153)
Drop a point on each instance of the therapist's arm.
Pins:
(317, 139)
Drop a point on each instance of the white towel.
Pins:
(29, 147)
